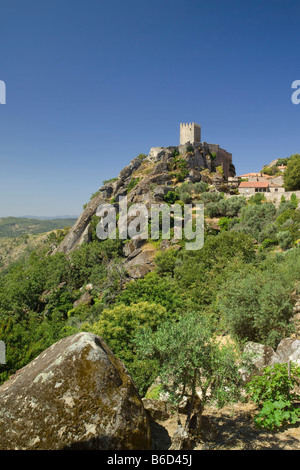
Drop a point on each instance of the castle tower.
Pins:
(190, 133)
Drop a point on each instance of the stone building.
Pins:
(189, 133)
(190, 136)
(248, 188)
(222, 158)
(255, 176)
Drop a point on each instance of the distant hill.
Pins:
(37, 217)
(18, 249)
(16, 226)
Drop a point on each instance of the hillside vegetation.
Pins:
(18, 249)
(243, 284)
(16, 226)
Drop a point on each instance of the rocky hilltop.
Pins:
(148, 179)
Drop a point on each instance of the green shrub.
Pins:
(180, 169)
(200, 187)
(175, 153)
(186, 198)
(274, 392)
(111, 180)
(255, 303)
(230, 207)
(294, 200)
(94, 195)
(154, 392)
(254, 218)
(171, 197)
(153, 288)
(224, 223)
(199, 273)
(118, 326)
(207, 197)
(291, 176)
(257, 198)
(276, 414)
(142, 156)
(165, 262)
(268, 242)
(282, 161)
(189, 356)
(270, 170)
(132, 183)
(285, 239)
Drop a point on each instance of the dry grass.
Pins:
(234, 430)
(14, 249)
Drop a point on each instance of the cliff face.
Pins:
(149, 180)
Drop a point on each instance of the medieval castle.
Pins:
(190, 135)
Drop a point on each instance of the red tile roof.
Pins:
(258, 175)
(250, 174)
(254, 184)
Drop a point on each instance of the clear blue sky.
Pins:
(91, 84)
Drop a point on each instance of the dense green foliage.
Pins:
(255, 302)
(239, 283)
(190, 356)
(291, 175)
(230, 207)
(274, 392)
(37, 294)
(179, 168)
(133, 182)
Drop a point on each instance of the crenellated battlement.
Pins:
(190, 132)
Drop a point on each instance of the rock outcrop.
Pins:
(75, 395)
(79, 233)
(148, 180)
(157, 410)
(262, 356)
(287, 350)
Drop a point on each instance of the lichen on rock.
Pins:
(74, 395)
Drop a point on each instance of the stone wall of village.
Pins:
(276, 197)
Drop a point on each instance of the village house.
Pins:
(281, 168)
(248, 188)
(254, 176)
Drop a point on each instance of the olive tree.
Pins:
(192, 359)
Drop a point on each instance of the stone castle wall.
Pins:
(190, 133)
(223, 158)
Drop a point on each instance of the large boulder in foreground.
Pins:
(74, 395)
